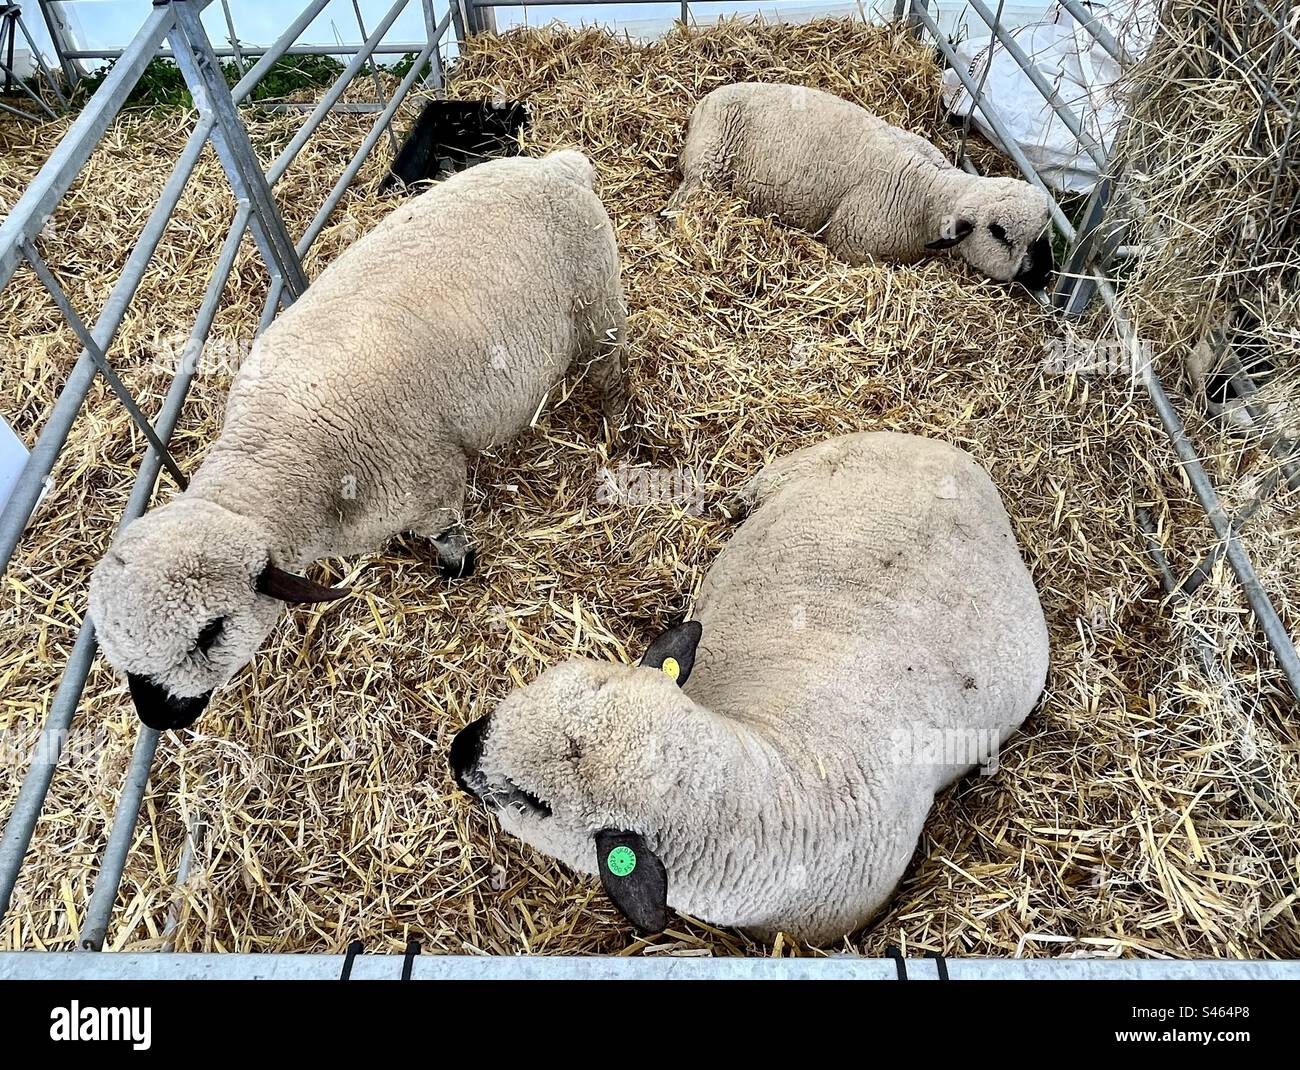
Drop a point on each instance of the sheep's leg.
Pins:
(442, 523)
(610, 360)
(456, 555)
(687, 187)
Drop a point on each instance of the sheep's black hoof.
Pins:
(734, 508)
(462, 569)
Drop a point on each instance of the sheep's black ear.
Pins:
(952, 233)
(290, 588)
(634, 878)
(673, 653)
(161, 710)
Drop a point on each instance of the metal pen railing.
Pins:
(174, 29)
(1085, 273)
(219, 123)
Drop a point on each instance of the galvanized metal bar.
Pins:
(432, 35)
(100, 358)
(1284, 163)
(1285, 450)
(460, 22)
(382, 123)
(194, 836)
(1044, 87)
(10, 24)
(27, 807)
(94, 926)
(57, 426)
(484, 5)
(283, 45)
(21, 823)
(234, 37)
(374, 70)
(11, 110)
(1092, 26)
(484, 21)
(977, 94)
(55, 28)
(50, 113)
(1205, 567)
(1203, 487)
(1208, 659)
(39, 62)
(1075, 286)
(291, 150)
(8, 40)
(349, 173)
(1008, 140)
(393, 48)
(1282, 449)
(25, 219)
(1279, 24)
(95, 923)
(1235, 56)
(156, 966)
(106, 886)
(40, 770)
(212, 97)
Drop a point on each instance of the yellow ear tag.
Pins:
(671, 668)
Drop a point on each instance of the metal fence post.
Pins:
(214, 101)
(58, 32)
(1076, 285)
(459, 22)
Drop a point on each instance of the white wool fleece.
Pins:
(869, 190)
(870, 634)
(435, 336)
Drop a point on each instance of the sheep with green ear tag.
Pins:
(869, 190)
(437, 335)
(869, 635)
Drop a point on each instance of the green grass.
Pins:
(163, 86)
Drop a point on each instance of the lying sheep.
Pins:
(867, 189)
(869, 635)
(434, 337)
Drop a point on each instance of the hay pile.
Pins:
(1213, 193)
(1126, 819)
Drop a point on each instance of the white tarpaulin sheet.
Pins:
(1083, 74)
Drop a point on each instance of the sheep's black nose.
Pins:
(161, 710)
(1035, 276)
(466, 751)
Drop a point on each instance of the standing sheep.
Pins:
(434, 337)
(867, 189)
(869, 635)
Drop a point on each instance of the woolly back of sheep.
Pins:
(1135, 814)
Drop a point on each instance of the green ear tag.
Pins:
(621, 861)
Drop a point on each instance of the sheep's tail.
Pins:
(575, 165)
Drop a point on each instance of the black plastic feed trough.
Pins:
(451, 135)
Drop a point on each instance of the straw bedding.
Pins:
(1135, 814)
(1216, 152)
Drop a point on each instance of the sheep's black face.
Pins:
(1036, 267)
(182, 601)
(161, 710)
(495, 793)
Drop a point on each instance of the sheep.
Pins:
(867, 636)
(869, 190)
(434, 337)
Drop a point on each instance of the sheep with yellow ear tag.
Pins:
(752, 773)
